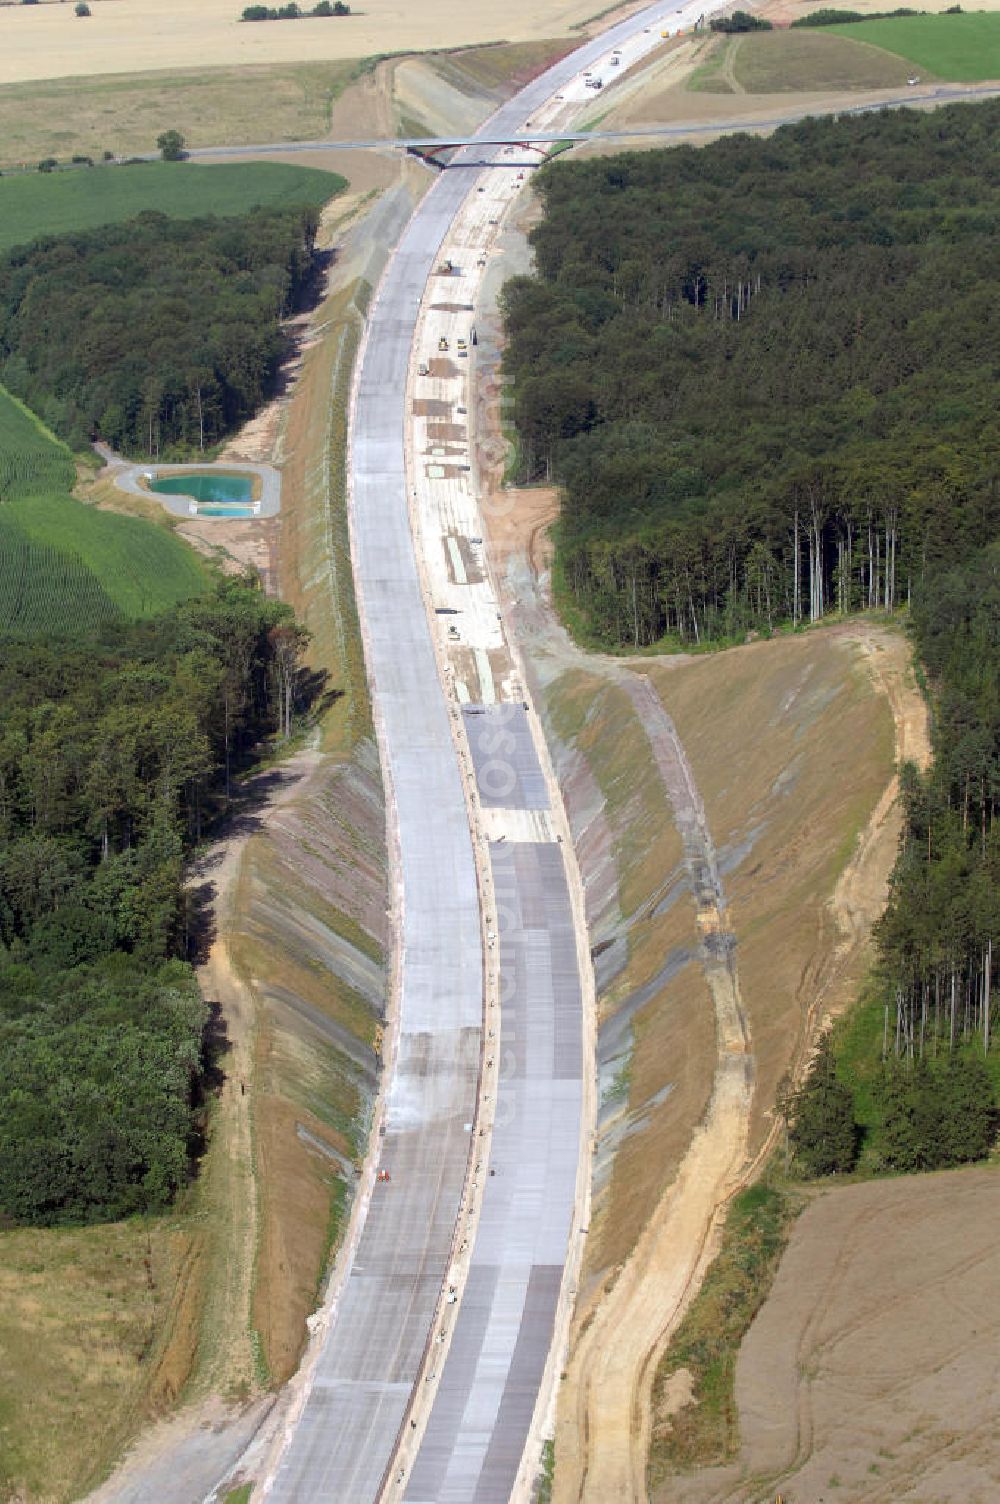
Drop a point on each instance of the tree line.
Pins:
(932, 1061)
(115, 752)
(830, 16)
(760, 372)
(293, 12)
(159, 336)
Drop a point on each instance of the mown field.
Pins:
(782, 62)
(125, 113)
(60, 203)
(963, 49)
(31, 458)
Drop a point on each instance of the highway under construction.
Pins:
(434, 1377)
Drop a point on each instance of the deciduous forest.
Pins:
(764, 374)
(115, 752)
(764, 371)
(159, 335)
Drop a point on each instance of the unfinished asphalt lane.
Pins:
(357, 1401)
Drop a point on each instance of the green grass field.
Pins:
(31, 458)
(58, 203)
(963, 49)
(64, 565)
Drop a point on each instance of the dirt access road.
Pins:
(605, 1420)
(176, 1454)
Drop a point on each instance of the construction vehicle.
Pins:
(423, 369)
(442, 344)
(615, 61)
(461, 346)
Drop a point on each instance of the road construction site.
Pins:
(432, 1373)
(432, 1367)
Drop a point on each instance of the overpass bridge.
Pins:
(427, 146)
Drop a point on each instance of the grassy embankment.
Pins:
(84, 1316)
(785, 821)
(61, 203)
(502, 68)
(787, 818)
(815, 752)
(124, 113)
(311, 934)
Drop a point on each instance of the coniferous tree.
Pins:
(822, 1132)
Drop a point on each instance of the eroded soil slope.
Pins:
(792, 745)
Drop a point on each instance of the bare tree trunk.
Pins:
(987, 987)
(878, 566)
(871, 568)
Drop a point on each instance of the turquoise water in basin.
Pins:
(223, 511)
(207, 486)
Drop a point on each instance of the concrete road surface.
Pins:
(485, 1398)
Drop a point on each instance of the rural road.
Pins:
(491, 134)
(498, 1241)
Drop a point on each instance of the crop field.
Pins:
(130, 36)
(60, 557)
(59, 203)
(31, 458)
(963, 49)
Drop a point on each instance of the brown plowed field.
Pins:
(870, 1374)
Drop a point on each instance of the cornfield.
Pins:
(46, 591)
(62, 562)
(31, 459)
